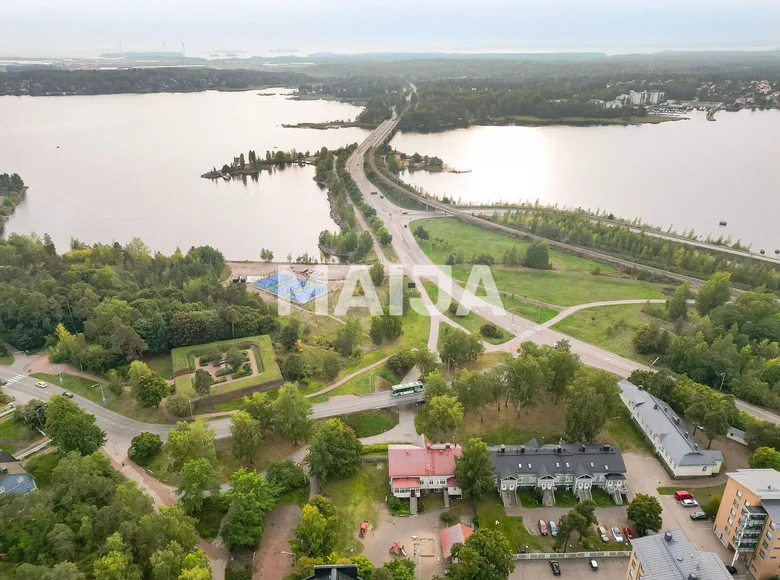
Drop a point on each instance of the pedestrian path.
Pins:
(14, 379)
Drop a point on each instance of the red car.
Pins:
(542, 528)
(627, 533)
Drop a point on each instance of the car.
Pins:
(67, 394)
(594, 565)
(374, 193)
(556, 568)
(236, 279)
(617, 534)
(40, 384)
(627, 533)
(542, 528)
(698, 516)
(687, 503)
(732, 570)
(682, 494)
(3, 382)
(603, 534)
(381, 197)
(553, 528)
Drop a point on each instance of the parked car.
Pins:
(603, 534)
(553, 528)
(236, 279)
(627, 533)
(616, 534)
(40, 384)
(556, 568)
(681, 495)
(67, 394)
(732, 570)
(3, 382)
(689, 503)
(698, 516)
(542, 528)
(594, 565)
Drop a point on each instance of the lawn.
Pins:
(624, 434)
(6, 359)
(702, 494)
(14, 435)
(492, 516)
(611, 327)
(368, 423)
(569, 282)
(124, 404)
(41, 466)
(273, 448)
(472, 322)
(357, 498)
(161, 365)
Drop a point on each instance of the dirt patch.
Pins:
(425, 546)
(270, 562)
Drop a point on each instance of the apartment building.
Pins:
(748, 520)
(421, 467)
(670, 556)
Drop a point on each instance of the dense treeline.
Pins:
(142, 80)
(91, 523)
(582, 230)
(443, 105)
(354, 88)
(122, 300)
(12, 191)
(380, 108)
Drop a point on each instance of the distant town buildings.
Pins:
(749, 518)
(636, 99)
(668, 434)
(573, 467)
(670, 556)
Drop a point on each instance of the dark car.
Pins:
(67, 394)
(3, 382)
(698, 516)
(556, 568)
(732, 570)
(236, 279)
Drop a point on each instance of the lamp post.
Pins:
(722, 380)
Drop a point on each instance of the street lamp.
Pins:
(722, 380)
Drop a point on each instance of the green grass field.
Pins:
(493, 517)
(161, 365)
(14, 435)
(355, 499)
(368, 423)
(611, 327)
(570, 281)
(123, 404)
(6, 359)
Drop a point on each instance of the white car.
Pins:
(689, 503)
(40, 384)
(617, 534)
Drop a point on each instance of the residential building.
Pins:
(670, 556)
(13, 477)
(456, 534)
(421, 467)
(335, 572)
(748, 520)
(573, 467)
(737, 435)
(668, 434)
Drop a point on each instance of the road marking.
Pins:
(14, 379)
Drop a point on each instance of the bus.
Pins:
(407, 389)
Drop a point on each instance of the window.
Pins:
(747, 503)
(731, 522)
(557, 464)
(606, 466)
(591, 464)
(773, 525)
(704, 468)
(769, 536)
(762, 554)
(733, 512)
(726, 529)
(739, 493)
(633, 563)
(529, 466)
(567, 464)
(765, 544)
(2, 489)
(736, 503)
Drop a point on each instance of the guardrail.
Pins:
(33, 450)
(7, 410)
(564, 556)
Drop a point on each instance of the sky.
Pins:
(89, 27)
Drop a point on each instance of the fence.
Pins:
(562, 556)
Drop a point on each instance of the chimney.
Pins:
(668, 537)
(407, 452)
(522, 449)
(503, 449)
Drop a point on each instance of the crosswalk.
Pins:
(14, 379)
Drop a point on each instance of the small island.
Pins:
(12, 191)
(253, 164)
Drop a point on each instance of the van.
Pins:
(681, 495)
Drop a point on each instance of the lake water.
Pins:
(129, 166)
(691, 174)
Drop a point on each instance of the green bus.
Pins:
(407, 389)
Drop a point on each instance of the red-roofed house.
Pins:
(456, 534)
(422, 466)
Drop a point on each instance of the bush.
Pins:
(286, 476)
(144, 446)
(399, 507)
(223, 372)
(490, 330)
(596, 270)
(449, 518)
(331, 365)
(178, 405)
(238, 572)
(294, 367)
(401, 362)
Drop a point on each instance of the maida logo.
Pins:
(336, 294)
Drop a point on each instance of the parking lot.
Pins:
(609, 569)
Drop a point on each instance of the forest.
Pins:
(12, 191)
(142, 80)
(583, 230)
(353, 88)
(123, 300)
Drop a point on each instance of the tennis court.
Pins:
(288, 286)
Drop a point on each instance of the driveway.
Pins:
(609, 569)
(271, 561)
(607, 516)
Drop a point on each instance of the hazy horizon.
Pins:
(83, 28)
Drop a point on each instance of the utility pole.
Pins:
(722, 380)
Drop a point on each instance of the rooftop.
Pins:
(661, 420)
(422, 458)
(335, 572)
(575, 458)
(456, 534)
(670, 556)
(765, 483)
